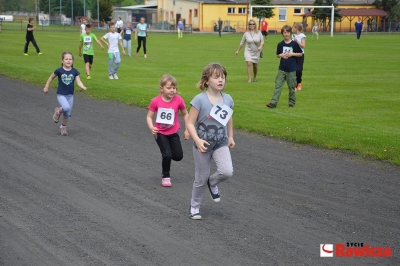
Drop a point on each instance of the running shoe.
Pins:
(115, 76)
(111, 77)
(271, 105)
(194, 213)
(88, 77)
(25, 54)
(63, 130)
(40, 53)
(57, 114)
(216, 197)
(299, 87)
(166, 182)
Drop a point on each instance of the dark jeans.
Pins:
(34, 44)
(358, 34)
(299, 71)
(139, 44)
(171, 149)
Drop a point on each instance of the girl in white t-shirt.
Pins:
(300, 38)
(83, 25)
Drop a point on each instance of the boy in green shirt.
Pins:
(86, 40)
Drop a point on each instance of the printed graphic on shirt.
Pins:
(287, 49)
(87, 40)
(67, 79)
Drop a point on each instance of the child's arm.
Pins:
(80, 84)
(149, 120)
(80, 49)
(49, 80)
(99, 43)
(185, 115)
(122, 47)
(104, 40)
(231, 142)
(302, 44)
(136, 31)
(191, 121)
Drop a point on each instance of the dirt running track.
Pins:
(94, 197)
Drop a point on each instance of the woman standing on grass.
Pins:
(254, 43)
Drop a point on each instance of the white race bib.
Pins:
(165, 116)
(221, 112)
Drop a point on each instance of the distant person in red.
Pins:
(264, 28)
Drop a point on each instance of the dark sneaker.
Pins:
(271, 105)
(194, 213)
(214, 192)
(291, 105)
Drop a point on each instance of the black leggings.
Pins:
(171, 149)
(139, 42)
(34, 44)
(299, 71)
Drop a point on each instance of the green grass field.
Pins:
(350, 98)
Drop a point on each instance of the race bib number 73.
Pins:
(221, 112)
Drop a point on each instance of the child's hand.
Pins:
(186, 135)
(154, 131)
(45, 90)
(201, 145)
(231, 143)
(83, 88)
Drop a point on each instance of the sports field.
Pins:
(350, 98)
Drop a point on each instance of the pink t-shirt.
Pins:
(177, 103)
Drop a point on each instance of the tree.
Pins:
(390, 7)
(324, 14)
(262, 12)
(395, 13)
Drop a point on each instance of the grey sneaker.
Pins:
(63, 130)
(194, 213)
(115, 76)
(56, 115)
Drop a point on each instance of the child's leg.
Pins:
(130, 47)
(176, 147)
(26, 46)
(66, 102)
(111, 59)
(279, 81)
(202, 173)
(291, 82)
(179, 33)
(144, 45)
(139, 44)
(299, 71)
(166, 153)
(125, 44)
(223, 160)
(117, 57)
(35, 45)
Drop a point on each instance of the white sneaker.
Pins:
(111, 77)
(63, 130)
(194, 213)
(145, 56)
(115, 76)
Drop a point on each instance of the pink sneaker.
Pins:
(166, 182)
(63, 130)
(57, 114)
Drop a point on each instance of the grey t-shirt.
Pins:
(207, 127)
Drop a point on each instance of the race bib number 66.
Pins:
(165, 116)
(221, 112)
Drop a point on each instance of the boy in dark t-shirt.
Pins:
(287, 50)
(29, 37)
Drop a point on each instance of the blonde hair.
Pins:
(208, 71)
(255, 25)
(168, 78)
(298, 26)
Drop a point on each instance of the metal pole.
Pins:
(332, 19)
(49, 12)
(72, 13)
(60, 12)
(98, 15)
(84, 8)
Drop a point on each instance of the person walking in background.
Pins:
(114, 39)
(86, 41)
(300, 38)
(30, 38)
(219, 26)
(254, 44)
(67, 75)
(359, 26)
(83, 25)
(180, 27)
(140, 36)
(315, 31)
(264, 29)
(119, 25)
(165, 129)
(212, 111)
(287, 50)
(127, 41)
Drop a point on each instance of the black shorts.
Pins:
(264, 33)
(119, 30)
(88, 58)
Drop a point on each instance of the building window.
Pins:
(282, 14)
(242, 10)
(297, 10)
(195, 13)
(231, 10)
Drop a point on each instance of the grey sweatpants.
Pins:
(223, 160)
(113, 57)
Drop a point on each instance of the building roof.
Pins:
(358, 12)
